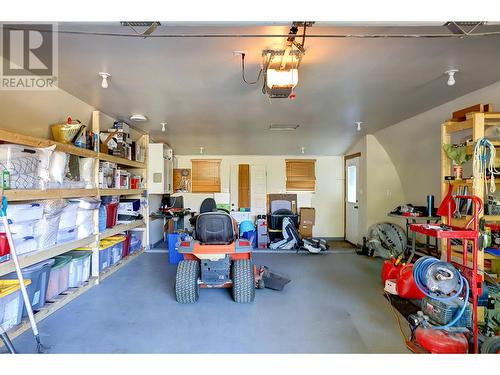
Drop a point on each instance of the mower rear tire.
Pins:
(187, 289)
(243, 281)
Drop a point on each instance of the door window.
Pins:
(351, 184)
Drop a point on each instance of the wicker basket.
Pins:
(66, 133)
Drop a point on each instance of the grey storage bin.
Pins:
(39, 275)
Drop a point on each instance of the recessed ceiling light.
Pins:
(283, 127)
(138, 118)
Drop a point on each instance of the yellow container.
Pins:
(66, 133)
(10, 286)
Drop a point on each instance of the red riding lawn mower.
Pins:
(215, 258)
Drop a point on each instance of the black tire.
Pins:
(187, 289)
(243, 281)
(491, 345)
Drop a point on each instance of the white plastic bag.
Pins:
(58, 166)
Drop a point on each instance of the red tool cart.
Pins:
(469, 233)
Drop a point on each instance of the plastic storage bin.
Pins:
(47, 228)
(22, 164)
(20, 229)
(135, 241)
(39, 275)
(102, 218)
(79, 267)
(59, 277)
(85, 222)
(11, 303)
(23, 245)
(20, 212)
(67, 235)
(116, 250)
(104, 253)
(69, 215)
(126, 245)
(111, 214)
(173, 256)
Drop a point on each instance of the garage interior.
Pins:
(272, 187)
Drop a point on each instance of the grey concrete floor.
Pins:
(334, 304)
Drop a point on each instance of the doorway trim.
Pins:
(346, 158)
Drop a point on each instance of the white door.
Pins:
(258, 189)
(351, 200)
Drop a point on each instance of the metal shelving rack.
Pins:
(139, 168)
(474, 123)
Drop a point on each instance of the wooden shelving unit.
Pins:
(121, 228)
(17, 195)
(475, 124)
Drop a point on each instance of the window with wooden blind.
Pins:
(205, 175)
(300, 174)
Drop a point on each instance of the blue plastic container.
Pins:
(102, 218)
(173, 256)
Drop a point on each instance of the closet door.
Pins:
(258, 189)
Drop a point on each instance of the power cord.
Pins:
(243, 72)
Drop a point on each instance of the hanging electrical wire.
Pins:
(483, 164)
(243, 72)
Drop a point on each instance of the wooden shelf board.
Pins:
(121, 161)
(35, 257)
(105, 192)
(51, 307)
(456, 126)
(29, 194)
(120, 228)
(27, 140)
(115, 267)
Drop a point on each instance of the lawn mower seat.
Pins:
(208, 205)
(215, 228)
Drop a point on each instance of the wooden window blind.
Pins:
(300, 174)
(244, 186)
(205, 175)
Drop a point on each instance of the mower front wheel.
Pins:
(243, 281)
(187, 289)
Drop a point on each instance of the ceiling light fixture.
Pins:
(282, 78)
(358, 125)
(138, 118)
(283, 127)
(163, 125)
(104, 76)
(451, 76)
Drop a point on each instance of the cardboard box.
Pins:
(307, 216)
(292, 198)
(306, 231)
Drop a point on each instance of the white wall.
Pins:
(327, 200)
(380, 188)
(400, 164)
(32, 112)
(414, 144)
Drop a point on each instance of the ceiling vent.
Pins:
(140, 23)
(462, 27)
(283, 127)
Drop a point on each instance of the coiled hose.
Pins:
(420, 275)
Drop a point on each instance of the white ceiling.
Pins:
(194, 84)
